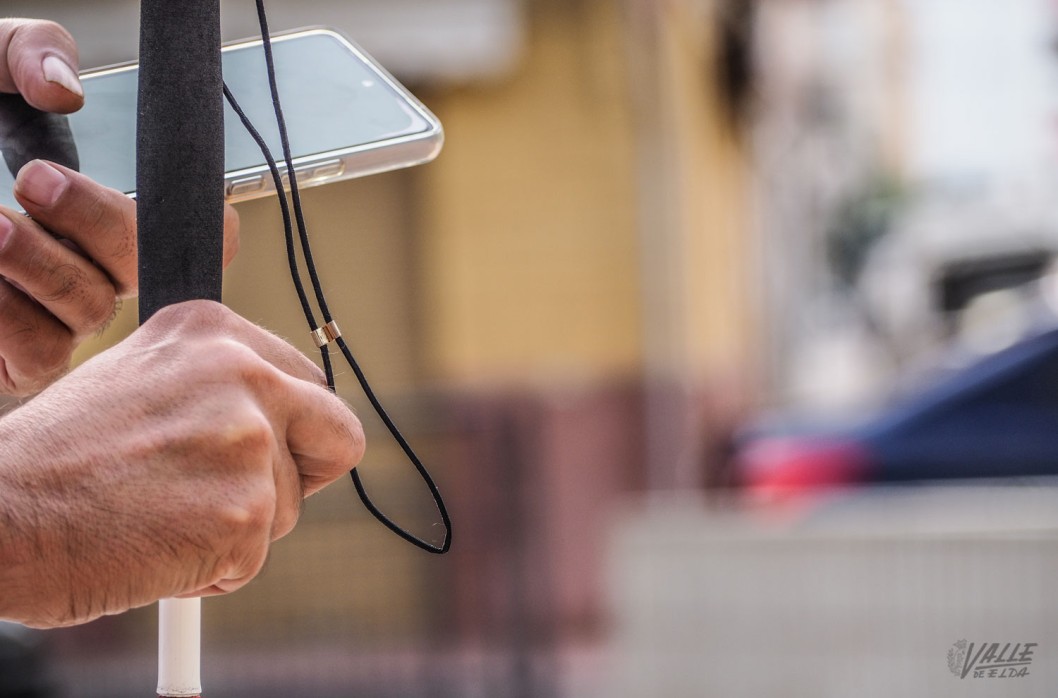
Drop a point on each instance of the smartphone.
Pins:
(346, 117)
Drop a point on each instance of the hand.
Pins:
(162, 467)
(64, 269)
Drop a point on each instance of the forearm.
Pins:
(67, 539)
(24, 579)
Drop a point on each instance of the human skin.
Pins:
(67, 265)
(166, 465)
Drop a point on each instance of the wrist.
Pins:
(27, 572)
(17, 537)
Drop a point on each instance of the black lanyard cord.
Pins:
(291, 249)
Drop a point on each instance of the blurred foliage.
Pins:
(860, 220)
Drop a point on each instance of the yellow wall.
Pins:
(529, 254)
(712, 171)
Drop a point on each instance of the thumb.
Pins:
(38, 59)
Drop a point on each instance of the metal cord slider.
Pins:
(323, 336)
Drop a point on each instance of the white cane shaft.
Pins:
(179, 647)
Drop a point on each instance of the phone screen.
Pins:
(332, 101)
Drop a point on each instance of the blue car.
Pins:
(997, 418)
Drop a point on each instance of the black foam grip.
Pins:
(179, 153)
(27, 134)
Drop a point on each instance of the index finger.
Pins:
(38, 59)
(323, 435)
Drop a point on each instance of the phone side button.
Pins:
(332, 168)
(246, 185)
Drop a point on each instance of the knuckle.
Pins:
(85, 295)
(44, 348)
(251, 515)
(17, 246)
(96, 215)
(103, 222)
(251, 523)
(286, 518)
(243, 562)
(353, 442)
(190, 317)
(256, 374)
(99, 309)
(11, 244)
(8, 384)
(249, 436)
(66, 283)
(33, 377)
(51, 352)
(56, 361)
(244, 366)
(119, 214)
(21, 388)
(209, 313)
(358, 441)
(348, 426)
(171, 316)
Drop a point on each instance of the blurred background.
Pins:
(688, 281)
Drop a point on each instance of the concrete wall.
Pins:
(857, 595)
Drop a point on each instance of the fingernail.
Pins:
(6, 226)
(40, 183)
(58, 71)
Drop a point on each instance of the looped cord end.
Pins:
(329, 332)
